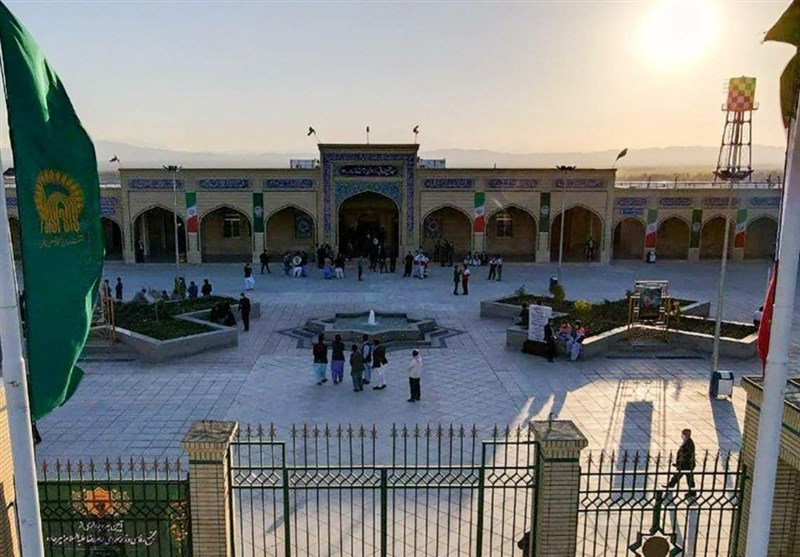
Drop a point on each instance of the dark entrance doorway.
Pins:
(113, 238)
(156, 228)
(364, 218)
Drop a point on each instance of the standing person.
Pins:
(590, 249)
(360, 264)
(140, 251)
(414, 375)
(456, 279)
(320, 352)
(382, 258)
(206, 289)
(366, 354)
(356, 369)
(379, 362)
(499, 262)
(264, 258)
(492, 269)
(575, 343)
(409, 262)
(244, 310)
(550, 340)
(465, 281)
(118, 289)
(685, 463)
(757, 316)
(337, 360)
(249, 281)
(192, 290)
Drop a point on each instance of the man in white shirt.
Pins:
(757, 316)
(414, 375)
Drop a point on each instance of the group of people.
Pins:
(462, 277)
(367, 365)
(416, 265)
(444, 253)
(571, 335)
(180, 291)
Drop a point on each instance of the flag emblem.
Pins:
(480, 212)
(59, 202)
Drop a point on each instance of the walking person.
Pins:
(414, 376)
(550, 340)
(320, 352)
(249, 281)
(757, 316)
(244, 310)
(465, 281)
(499, 262)
(118, 289)
(685, 463)
(456, 279)
(337, 360)
(492, 269)
(408, 263)
(590, 249)
(379, 362)
(366, 354)
(264, 258)
(357, 368)
(360, 264)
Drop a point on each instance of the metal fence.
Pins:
(348, 491)
(133, 508)
(624, 499)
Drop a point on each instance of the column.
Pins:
(207, 444)
(607, 247)
(558, 480)
(478, 241)
(193, 254)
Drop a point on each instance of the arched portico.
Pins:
(363, 218)
(629, 239)
(447, 223)
(290, 228)
(225, 236)
(712, 238)
(154, 236)
(672, 239)
(762, 235)
(511, 232)
(580, 224)
(112, 233)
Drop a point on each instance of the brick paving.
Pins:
(132, 409)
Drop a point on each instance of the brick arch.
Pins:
(521, 245)
(576, 234)
(628, 238)
(216, 246)
(224, 206)
(113, 237)
(459, 232)
(159, 240)
(280, 235)
(514, 206)
(673, 237)
(761, 237)
(712, 237)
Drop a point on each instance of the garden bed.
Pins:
(161, 320)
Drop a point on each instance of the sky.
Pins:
(250, 77)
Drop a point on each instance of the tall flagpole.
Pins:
(776, 370)
(16, 388)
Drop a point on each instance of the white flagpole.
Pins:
(776, 370)
(16, 388)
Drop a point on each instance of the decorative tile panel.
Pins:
(580, 183)
(288, 184)
(717, 202)
(154, 184)
(328, 160)
(108, 206)
(631, 211)
(368, 171)
(764, 202)
(449, 183)
(630, 202)
(11, 201)
(511, 183)
(223, 184)
(349, 189)
(675, 202)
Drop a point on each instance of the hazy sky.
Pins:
(519, 77)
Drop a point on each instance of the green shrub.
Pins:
(558, 294)
(582, 310)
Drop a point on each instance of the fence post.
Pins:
(207, 443)
(558, 475)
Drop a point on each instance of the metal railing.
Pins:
(623, 496)
(350, 491)
(680, 185)
(116, 508)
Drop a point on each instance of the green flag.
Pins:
(58, 196)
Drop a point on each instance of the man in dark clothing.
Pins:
(378, 361)
(337, 360)
(118, 289)
(192, 290)
(685, 463)
(264, 258)
(139, 251)
(465, 281)
(356, 368)
(456, 279)
(320, 352)
(244, 310)
(550, 340)
(409, 262)
(206, 288)
(360, 264)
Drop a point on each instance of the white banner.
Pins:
(538, 316)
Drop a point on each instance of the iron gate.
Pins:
(624, 501)
(347, 491)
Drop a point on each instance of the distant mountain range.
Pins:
(698, 158)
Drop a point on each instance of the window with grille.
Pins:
(505, 226)
(231, 225)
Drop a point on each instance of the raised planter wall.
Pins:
(490, 308)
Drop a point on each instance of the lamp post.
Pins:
(173, 169)
(565, 171)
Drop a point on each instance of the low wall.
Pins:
(697, 309)
(493, 308)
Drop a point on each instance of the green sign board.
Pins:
(544, 211)
(697, 226)
(258, 212)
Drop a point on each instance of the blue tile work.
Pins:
(512, 184)
(765, 201)
(288, 184)
(675, 202)
(223, 184)
(630, 202)
(580, 184)
(108, 206)
(716, 202)
(369, 171)
(348, 189)
(449, 183)
(328, 160)
(154, 184)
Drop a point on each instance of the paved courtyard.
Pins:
(130, 409)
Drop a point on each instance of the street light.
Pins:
(173, 169)
(565, 170)
(731, 176)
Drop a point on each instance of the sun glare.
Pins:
(677, 32)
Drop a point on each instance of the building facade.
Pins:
(365, 191)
